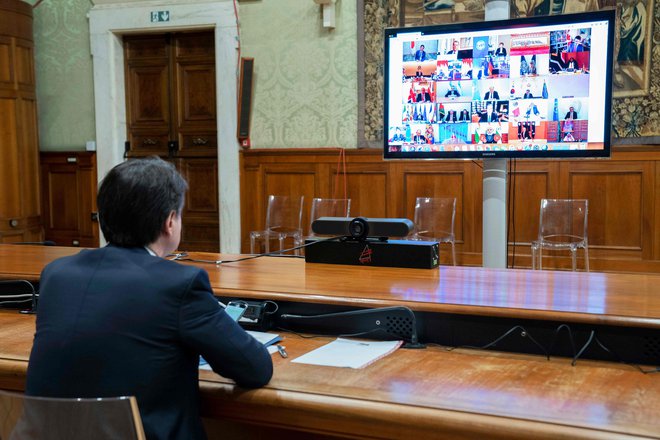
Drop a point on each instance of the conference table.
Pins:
(436, 392)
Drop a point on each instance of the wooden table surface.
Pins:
(590, 298)
(418, 393)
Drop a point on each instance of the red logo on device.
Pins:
(365, 256)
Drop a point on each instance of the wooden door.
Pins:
(171, 112)
(20, 211)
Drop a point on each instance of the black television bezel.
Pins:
(608, 15)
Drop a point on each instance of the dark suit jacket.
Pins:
(571, 115)
(484, 117)
(488, 96)
(117, 321)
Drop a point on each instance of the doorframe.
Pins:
(108, 22)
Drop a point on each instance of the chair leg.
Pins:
(540, 251)
(533, 251)
(281, 240)
(267, 243)
(253, 242)
(453, 254)
(586, 258)
(574, 259)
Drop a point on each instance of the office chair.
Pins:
(562, 226)
(34, 418)
(434, 221)
(283, 220)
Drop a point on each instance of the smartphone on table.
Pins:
(236, 309)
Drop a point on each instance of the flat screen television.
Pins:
(526, 88)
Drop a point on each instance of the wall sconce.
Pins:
(328, 12)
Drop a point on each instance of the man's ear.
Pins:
(168, 227)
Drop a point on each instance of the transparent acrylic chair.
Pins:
(31, 418)
(283, 220)
(562, 226)
(328, 208)
(434, 221)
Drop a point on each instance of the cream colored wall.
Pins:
(305, 88)
(305, 92)
(65, 91)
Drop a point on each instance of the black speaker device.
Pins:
(364, 243)
(381, 323)
(245, 101)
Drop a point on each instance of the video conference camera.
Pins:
(364, 242)
(361, 228)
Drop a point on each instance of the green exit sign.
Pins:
(160, 16)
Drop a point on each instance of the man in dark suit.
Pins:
(571, 113)
(451, 116)
(123, 320)
(489, 115)
(528, 95)
(500, 51)
(420, 55)
(491, 94)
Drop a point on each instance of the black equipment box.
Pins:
(391, 253)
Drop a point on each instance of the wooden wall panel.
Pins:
(68, 181)
(368, 193)
(623, 193)
(529, 188)
(293, 181)
(439, 184)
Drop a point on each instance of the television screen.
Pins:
(532, 87)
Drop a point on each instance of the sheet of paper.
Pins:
(349, 353)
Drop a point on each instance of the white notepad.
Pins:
(349, 353)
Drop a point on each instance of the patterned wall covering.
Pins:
(378, 14)
(65, 89)
(305, 84)
(305, 76)
(636, 85)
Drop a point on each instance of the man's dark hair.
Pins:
(135, 199)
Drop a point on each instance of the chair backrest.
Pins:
(563, 220)
(328, 208)
(31, 418)
(434, 218)
(284, 213)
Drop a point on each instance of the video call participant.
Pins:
(572, 65)
(452, 92)
(420, 54)
(575, 45)
(418, 72)
(464, 116)
(571, 113)
(122, 320)
(454, 48)
(489, 115)
(491, 94)
(528, 94)
(451, 116)
(419, 137)
(423, 95)
(398, 136)
(500, 51)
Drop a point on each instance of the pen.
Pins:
(282, 350)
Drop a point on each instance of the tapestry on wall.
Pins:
(636, 82)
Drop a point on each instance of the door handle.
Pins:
(172, 148)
